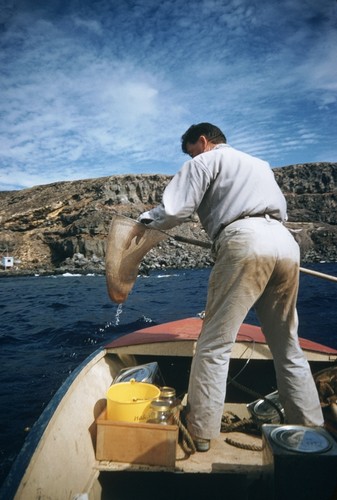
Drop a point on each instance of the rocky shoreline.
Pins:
(62, 227)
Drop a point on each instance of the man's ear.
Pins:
(203, 140)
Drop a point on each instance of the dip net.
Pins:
(128, 242)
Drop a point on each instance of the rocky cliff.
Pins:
(63, 226)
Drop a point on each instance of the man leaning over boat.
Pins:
(242, 209)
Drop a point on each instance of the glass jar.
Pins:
(168, 394)
(159, 413)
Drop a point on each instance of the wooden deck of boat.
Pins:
(221, 458)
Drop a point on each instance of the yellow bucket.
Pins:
(128, 401)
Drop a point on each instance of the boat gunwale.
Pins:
(175, 331)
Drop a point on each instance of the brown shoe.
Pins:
(202, 444)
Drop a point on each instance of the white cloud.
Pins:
(90, 92)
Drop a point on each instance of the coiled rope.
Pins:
(231, 422)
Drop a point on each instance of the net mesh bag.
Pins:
(127, 244)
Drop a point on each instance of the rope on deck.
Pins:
(231, 423)
(187, 443)
(243, 446)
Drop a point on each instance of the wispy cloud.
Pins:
(92, 88)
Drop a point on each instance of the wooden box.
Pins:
(138, 443)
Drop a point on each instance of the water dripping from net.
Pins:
(119, 311)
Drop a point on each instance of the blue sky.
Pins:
(96, 88)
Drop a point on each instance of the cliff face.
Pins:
(63, 226)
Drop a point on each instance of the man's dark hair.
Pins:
(211, 132)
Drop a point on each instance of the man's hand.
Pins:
(144, 218)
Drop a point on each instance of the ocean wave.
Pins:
(167, 275)
(71, 275)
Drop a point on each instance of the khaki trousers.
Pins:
(257, 264)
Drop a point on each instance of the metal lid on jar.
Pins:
(167, 392)
(301, 439)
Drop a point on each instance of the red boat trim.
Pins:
(189, 329)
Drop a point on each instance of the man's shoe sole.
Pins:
(202, 444)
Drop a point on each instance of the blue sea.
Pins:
(50, 324)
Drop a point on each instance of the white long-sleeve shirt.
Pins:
(221, 185)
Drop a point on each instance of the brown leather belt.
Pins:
(265, 216)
